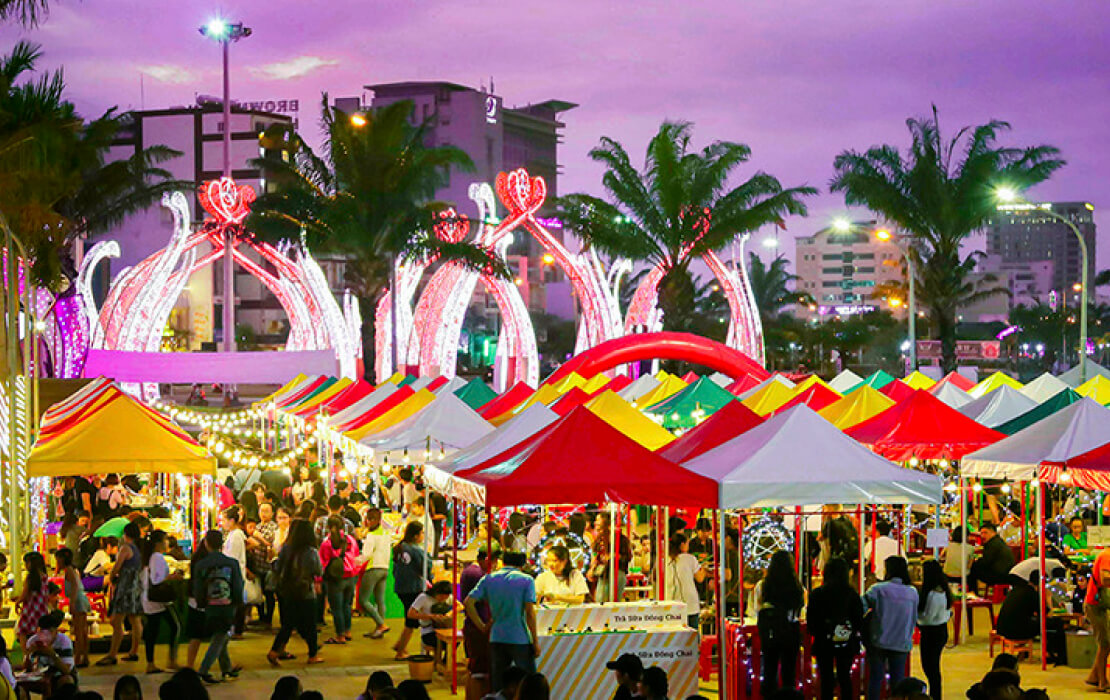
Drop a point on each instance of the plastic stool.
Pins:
(707, 657)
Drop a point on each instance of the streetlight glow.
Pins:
(1006, 194)
(882, 234)
(770, 243)
(358, 120)
(842, 225)
(216, 28)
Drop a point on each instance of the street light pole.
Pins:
(911, 308)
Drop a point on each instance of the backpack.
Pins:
(334, 570)
(294, 582)
(215, 588)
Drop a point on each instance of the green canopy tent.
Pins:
(476, 393)
(686, 408)
(1058, 402)
(875, 380)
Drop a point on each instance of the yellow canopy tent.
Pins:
(567, 383)
(122, 437)
(1096, 388)
(623, 416)
(995, 381)
(398, 413)
(668, 386)
(595, 383)
(283, 388)
(769, 398)
(856, 407)
(919, 380)
(317, 399)
(804, 386)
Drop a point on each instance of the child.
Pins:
(79, 607)
(431, 608)
(100, 563)
(50, 653)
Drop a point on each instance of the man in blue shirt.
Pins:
(511, 596)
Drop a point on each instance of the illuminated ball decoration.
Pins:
(762, 539)
(580, 553)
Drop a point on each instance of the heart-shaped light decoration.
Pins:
(521, 193)
(452, 226)
(225, 200)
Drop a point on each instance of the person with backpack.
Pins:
(835, 621)
(779, 598)
(218, 589)
(110, 498)
(298, 571)
(339, 560)
(408, 579)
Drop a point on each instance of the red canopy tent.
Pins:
(817, 396)
(303, 392)
(925, 427)
(618, 382)
(954, 378)
(436, 383)
(517, 394)
(582, 459)
(1090, 470)
(690, 377)
(742, 384)
(576, 397)
(729, 421)
(897, 391)
(355, 392)
(384, 405)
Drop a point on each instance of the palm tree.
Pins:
(771, 287)
(368, 197)
(939, 193)
(677, 208)
(27, 12)
(55, 182)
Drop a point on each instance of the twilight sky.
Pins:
(796, 80)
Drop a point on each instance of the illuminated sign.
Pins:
(491, 109)
(277, 106)
(965, 349)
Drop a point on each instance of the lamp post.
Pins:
(227, 32)
(911, 302)
(1011, 199)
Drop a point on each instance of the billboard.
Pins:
(966, 350)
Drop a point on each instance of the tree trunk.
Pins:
(945, 320)
(676, 301)
(366, 309)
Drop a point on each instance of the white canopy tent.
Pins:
(1043, 388)
(421, 382)
(797, 458)
(445, 423)
(363, 405)
(1071, 377)
(952, 395)
(1070, 432)
(720, 379)
(997, 407)
(845, 381)
(763, 385)
(639, 386)
(451, 386)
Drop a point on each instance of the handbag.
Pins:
(163, 592)
(252, 592)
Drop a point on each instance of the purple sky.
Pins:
(797, 81)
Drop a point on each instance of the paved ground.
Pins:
(344, 674)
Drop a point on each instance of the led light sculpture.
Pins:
(140, 299)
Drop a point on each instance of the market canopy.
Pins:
(817, 396)
(742, 385)
(722, 380)
(958, 379)
(668, 386)
(952, 395)
(523, 426)
(367, 403)
(684, 409)
(384, 418)
(120, 436)
(348, 397)
(1090, 470)
(733, 419)
(623, 416)
(476, 394)
(1094, 369)
(1038, 413)
(1066, 434)
(1044, 388)
(773, 395)
(876, 380)
(451, 386)
(918, 380)
(282, 389)
(1096, 388)
(845, 381)
(517, 394)
(445, 423)
(775, 378)
(312, 404)
(582, 459)
(995, 381)
(895, 391)
(640, 386)
(999, 406)
(924, 427)
(771, 466)
(856, 407)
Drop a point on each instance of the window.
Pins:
(865, 256)
(830, 284)
(865, 270)
(830, 270)
(831, 256)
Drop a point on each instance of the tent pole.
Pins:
(662, 540)
(614, 555)
(721, 555)
(859, 516)
(455, 592)
(964, 623)
(1041, 584)
(1025, 521)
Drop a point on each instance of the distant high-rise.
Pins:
(1024, 233)
(841, 269)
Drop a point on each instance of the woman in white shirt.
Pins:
(156, 571)
(560, 582)
(683, 574)
(235, 546)
(376, 554)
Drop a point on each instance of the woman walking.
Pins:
(126, 597)
(34, 600)
(375, 557)
(779, 598)
(339, 560)
(79, 607)
(194, 622)
(408, 579)
(158, 584)
(893, 604)
(298, 571)
(683, 575)
(835, 621)
(934, 608)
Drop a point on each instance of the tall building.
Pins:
(497, 139)
(841, 268)
(197, 132)
(1024, 233)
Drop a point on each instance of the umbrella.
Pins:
(112, 528)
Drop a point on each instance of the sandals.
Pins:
(131, 657)
(286, 656)
(315, 660)
(108, 661)
(273, 659)
(335, 640)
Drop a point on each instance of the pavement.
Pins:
(343, 675)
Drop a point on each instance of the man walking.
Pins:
(218, 589)
(511, 595)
